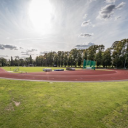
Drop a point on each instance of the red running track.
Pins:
(78, 75)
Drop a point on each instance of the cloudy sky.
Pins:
(31, 27)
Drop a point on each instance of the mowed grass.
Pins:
(32, 69)
(25, 104)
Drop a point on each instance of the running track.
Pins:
(78, 75)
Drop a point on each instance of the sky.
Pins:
(32, 27)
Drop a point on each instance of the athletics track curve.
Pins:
(78, 75)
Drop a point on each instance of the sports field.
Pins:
(25, 104)
(31, 69)
(36, 73)
(63, 105)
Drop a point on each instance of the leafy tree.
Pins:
(107, 61)
(98, 57)
(74, 55)
(30, 59)
(62, 58)
(70, 60)
(55, 60)
(92, 52)
(79, 58)
(118, 54)
(85, 54)
(59, 58)
(3, 62)
(12, 62)
(65, 59)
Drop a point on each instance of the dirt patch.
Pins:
(16, 103)
(10, 107)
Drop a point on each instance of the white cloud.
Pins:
(32, 50)
(116, 18)
(22, 57)
(106, 11)
(110, 1)
(29, 52)
(85, 16)
(26, 54)
(86, 23)
(11, 47)
(91, 0)
(120, 5)
(28, 39)
(23, 52)
(3, 56)
(42, 53)
(8, 38)
(17, 57)
(16, 28)
(2, 47)
(86, 34)
(93, 25)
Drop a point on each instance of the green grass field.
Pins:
(32, 69)
(37, 69)
(26, 104)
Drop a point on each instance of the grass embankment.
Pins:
(63, 105)
(32, 69)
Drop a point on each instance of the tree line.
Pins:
(115, 56)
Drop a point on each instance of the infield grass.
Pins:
(25, 104)
(32, 69)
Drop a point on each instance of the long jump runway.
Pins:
(78, 75)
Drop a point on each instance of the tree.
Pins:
(12, 63)
(3, 62)
(74, 55)
(55, 59)
(79, 58)
(21, 61)
(85, 54)
(59, 58)
(107, 61)
(70, 60)
(92, 52)
(118, 53)
(16, 61)
(30, 59)
(99, 58)
(65, 59)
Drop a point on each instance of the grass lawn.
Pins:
(25, 104)
(32, 69)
